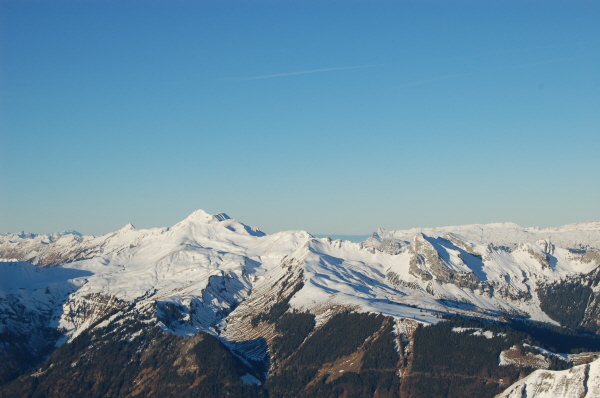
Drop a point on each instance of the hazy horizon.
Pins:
(351, 237)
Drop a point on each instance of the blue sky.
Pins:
(336, 117)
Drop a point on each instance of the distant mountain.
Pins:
(351, 238)
(294, 315)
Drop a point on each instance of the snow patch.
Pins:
(249, 379)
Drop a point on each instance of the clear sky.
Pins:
(335, 117)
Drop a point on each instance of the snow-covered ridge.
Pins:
(584, 235)
(52, 249)
(580, 381)
(195, 273)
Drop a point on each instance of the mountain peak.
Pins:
(202, 217)
(221, 219)
(128, 227)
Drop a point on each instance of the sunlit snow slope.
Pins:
(194, 276)
(582, 381)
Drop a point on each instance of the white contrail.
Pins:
(304, 72)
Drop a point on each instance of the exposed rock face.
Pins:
(391, 246)
(537, 252)
(250, 328)
(586, 257)
(426, 263)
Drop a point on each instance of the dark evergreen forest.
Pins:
(351, 355)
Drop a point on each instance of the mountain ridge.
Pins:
(212, 274)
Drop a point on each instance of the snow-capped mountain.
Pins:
(580, 381)
(212, 274)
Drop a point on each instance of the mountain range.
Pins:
(213, 307)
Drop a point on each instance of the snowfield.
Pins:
(206, 265)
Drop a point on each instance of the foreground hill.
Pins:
(288, 314)
(580, 381)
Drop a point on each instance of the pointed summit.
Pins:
(202, 217)
(221, 219)
(128, 227)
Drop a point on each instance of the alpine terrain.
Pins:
(211, 307)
